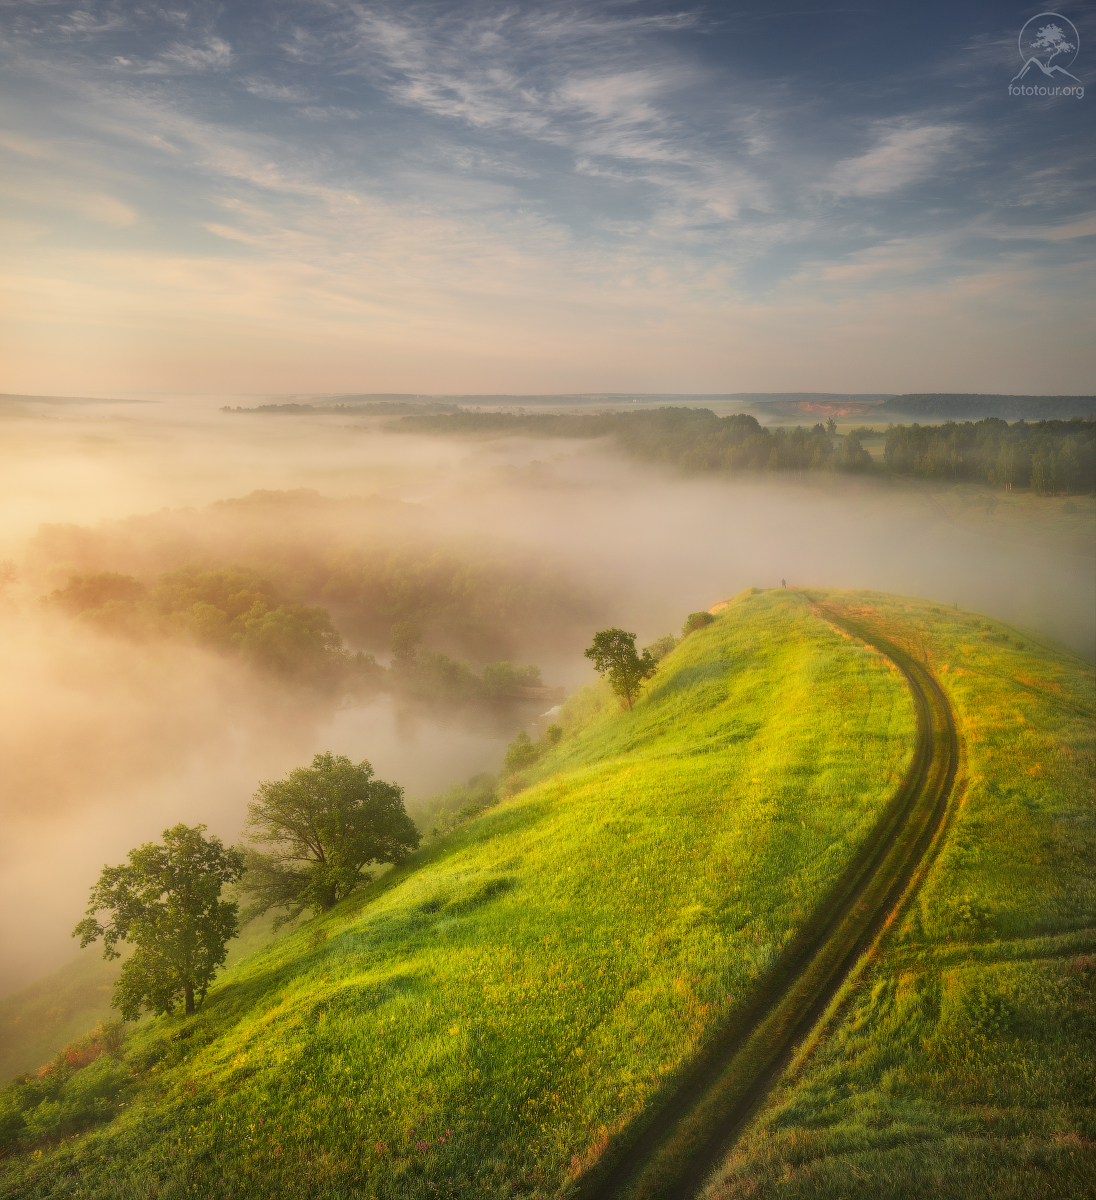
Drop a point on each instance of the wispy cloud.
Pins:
(87, 22)
(903, 154)
(212, 54)
(586, 77)
(450, 174)
(279, 92)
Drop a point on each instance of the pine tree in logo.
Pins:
(1044, 47)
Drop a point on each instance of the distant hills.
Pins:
(371, 408)
(770, 407)
(782, 407)
(13, 402)
(965, 406)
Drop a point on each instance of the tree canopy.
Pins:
(662, 646)
(614, 654)
(1047, 456)
(1050, 456)
(322, 826)
(236, 611)
(166, 903)
(694, 621)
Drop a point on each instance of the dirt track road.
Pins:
(684, 1140)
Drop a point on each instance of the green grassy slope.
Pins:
(959, 1061)
(38, 1020)
(480, 1021)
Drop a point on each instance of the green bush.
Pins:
(61, 1099)
(521, 753)
(662, 646)
(696, 621)
(972, 914)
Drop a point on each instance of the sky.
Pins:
(537, 197)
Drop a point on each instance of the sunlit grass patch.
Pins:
(960, 1063)
(475, 1018)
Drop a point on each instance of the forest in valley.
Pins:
(1051, 457)
(285, 580)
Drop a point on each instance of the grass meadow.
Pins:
(62, 1006)
(480, 1021)
(961, 1059)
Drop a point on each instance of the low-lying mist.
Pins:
(517, 549)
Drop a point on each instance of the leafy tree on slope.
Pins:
(695, 621)
(614, 654)
(166, 903)
(323, 825)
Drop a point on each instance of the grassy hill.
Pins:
(494, 1016)
(60, 1007)
(959, 1059)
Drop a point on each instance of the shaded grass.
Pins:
(961, 1060)
(478, 1022)
(38, 1020)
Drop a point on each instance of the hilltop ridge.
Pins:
(505, 1012)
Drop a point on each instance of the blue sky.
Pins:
(531, 197)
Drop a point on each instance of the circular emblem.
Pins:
(1049, 42)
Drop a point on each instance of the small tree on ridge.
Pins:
(614, 654)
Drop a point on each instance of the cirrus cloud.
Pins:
(903, 154)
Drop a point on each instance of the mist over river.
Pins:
(104, 741)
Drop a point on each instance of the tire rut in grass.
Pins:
(683, 1140)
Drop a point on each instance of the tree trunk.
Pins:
(188, 993)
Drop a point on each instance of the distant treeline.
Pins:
(1047, 456)
(236, 611)
(934, 406)
(371, 408)
(942, 406)
(692, 438)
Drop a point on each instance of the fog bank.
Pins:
(105, 740)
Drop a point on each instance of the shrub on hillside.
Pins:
(78, 1088)
(614, 656)
(521, 753)
(660, 647)
(987, 1013)
(695, 621)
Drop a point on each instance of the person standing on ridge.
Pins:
(783, 583)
